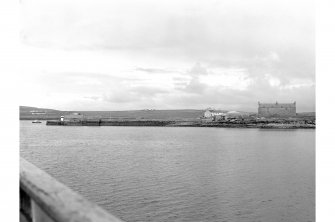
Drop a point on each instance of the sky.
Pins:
(176, 54)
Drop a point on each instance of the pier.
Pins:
(247, 123)
(100, 122)
(44, 199)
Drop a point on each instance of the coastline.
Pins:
(268, 124)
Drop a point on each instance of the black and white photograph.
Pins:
(176, 110)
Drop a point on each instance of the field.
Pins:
(26, 114)
(172, 115)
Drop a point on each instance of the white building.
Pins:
(211, 113)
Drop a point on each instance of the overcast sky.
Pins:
(131, 54)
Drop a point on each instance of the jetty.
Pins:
(44, 199)
(268, 123)
(99, 122)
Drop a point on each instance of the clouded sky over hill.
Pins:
(120, 55)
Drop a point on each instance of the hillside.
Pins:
(26, 113)
(50, 114)
(306, 114)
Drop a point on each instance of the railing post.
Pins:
(25, 207)
(44, 199)
(39, 215)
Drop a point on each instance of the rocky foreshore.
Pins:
(269, 124)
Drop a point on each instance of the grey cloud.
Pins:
(192, 83)
(268, 40)
(234, 37)
(290, 64)
(119, 97)
(213, 30)
(142, 91)
(195, 86)
(198, 69)
(180, 79)
(197, 94)
(246, 100)
(83, 82)
(133, 94)
(153, 70)
(95, 98)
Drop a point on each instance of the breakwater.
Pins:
(111, 123)
(197, 123)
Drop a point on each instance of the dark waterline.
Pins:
(181, 174)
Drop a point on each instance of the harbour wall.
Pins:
(111, 123)
(275, 123)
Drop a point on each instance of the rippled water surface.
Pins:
(181, 174)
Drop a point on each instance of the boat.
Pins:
(36, 121)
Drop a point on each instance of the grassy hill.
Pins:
(306, 114)
(50, 114)
(26, 113)
(184, 114)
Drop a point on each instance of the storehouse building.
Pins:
(276, 109)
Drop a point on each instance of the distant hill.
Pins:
(30, 108)
(306, 115)
(34, 113)
(28, 113)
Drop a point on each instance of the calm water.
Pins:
(181, 174)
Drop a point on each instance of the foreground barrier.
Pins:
(44, 199)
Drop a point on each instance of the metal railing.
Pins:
(44, 199)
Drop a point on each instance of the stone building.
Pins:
(276, 109)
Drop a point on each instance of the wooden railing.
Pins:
(44, 199)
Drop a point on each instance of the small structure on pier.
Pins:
(73, 117)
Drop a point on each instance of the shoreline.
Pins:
(170, 123)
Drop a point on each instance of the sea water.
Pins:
(181, 173)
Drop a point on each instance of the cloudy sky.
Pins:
(176, 54)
